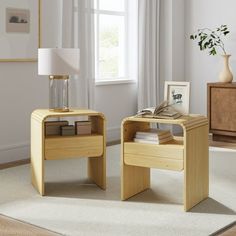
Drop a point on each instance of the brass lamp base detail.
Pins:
(59, 109)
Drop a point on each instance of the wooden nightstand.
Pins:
(62, 147)
(188, 153)
(222, 111)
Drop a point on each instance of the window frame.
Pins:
(115, 80)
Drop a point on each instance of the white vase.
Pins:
(226, 75)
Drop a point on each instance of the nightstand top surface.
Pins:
(43, 114)
(186, 121)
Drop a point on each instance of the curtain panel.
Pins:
(78, 32)
(148, 53)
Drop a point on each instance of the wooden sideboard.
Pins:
(221, 111)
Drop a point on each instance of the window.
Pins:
(112, 37)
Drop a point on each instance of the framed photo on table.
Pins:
(19, 30)
(177, 94)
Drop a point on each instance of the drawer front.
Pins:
(72, 147)
(154, 156)
(223, 109)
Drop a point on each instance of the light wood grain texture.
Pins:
(134, 179)
(196, 166)
(154, 162)
(189, 154)
(171, 150)
(37, 154)
(59, 147)
(73, 147)
(168, 156)
(97, 166)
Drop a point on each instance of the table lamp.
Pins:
(58, 64)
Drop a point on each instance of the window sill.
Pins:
(113, 82)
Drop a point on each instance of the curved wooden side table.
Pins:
(188, 153)
(63, 147)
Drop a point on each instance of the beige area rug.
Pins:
(74, 206)
(10, 227)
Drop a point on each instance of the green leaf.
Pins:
(212, 52)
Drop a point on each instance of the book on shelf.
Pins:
(153, 133)
(83, 127)
(68, 130)
(163, 111)
(155, 136)
(54, 127)
(139, 140)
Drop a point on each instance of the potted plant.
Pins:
(212, 40)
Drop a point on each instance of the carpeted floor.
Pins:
(74, 206)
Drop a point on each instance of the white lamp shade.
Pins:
(58, 61)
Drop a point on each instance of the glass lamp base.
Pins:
(58, 93)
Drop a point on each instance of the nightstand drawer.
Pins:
(164, 156)
(74, 146)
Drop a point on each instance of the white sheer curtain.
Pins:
(148, 53)
(78, 32)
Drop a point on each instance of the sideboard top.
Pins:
(222, 85)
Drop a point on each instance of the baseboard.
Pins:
(14, 163)
(16, 152)
(113, 134)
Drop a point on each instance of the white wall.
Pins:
(171, 42)
(116, 102)
(199, 67)
(22, 91)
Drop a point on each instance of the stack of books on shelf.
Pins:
(155, 136)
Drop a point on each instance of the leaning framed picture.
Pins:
(177, 94)
(19, 30)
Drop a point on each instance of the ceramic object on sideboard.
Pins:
(226, 75)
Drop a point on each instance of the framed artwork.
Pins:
(177, 93)
(19, 30)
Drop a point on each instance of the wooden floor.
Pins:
(10, 227)
(222, 144)
(229, 230)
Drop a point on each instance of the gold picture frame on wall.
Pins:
(20, 30)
